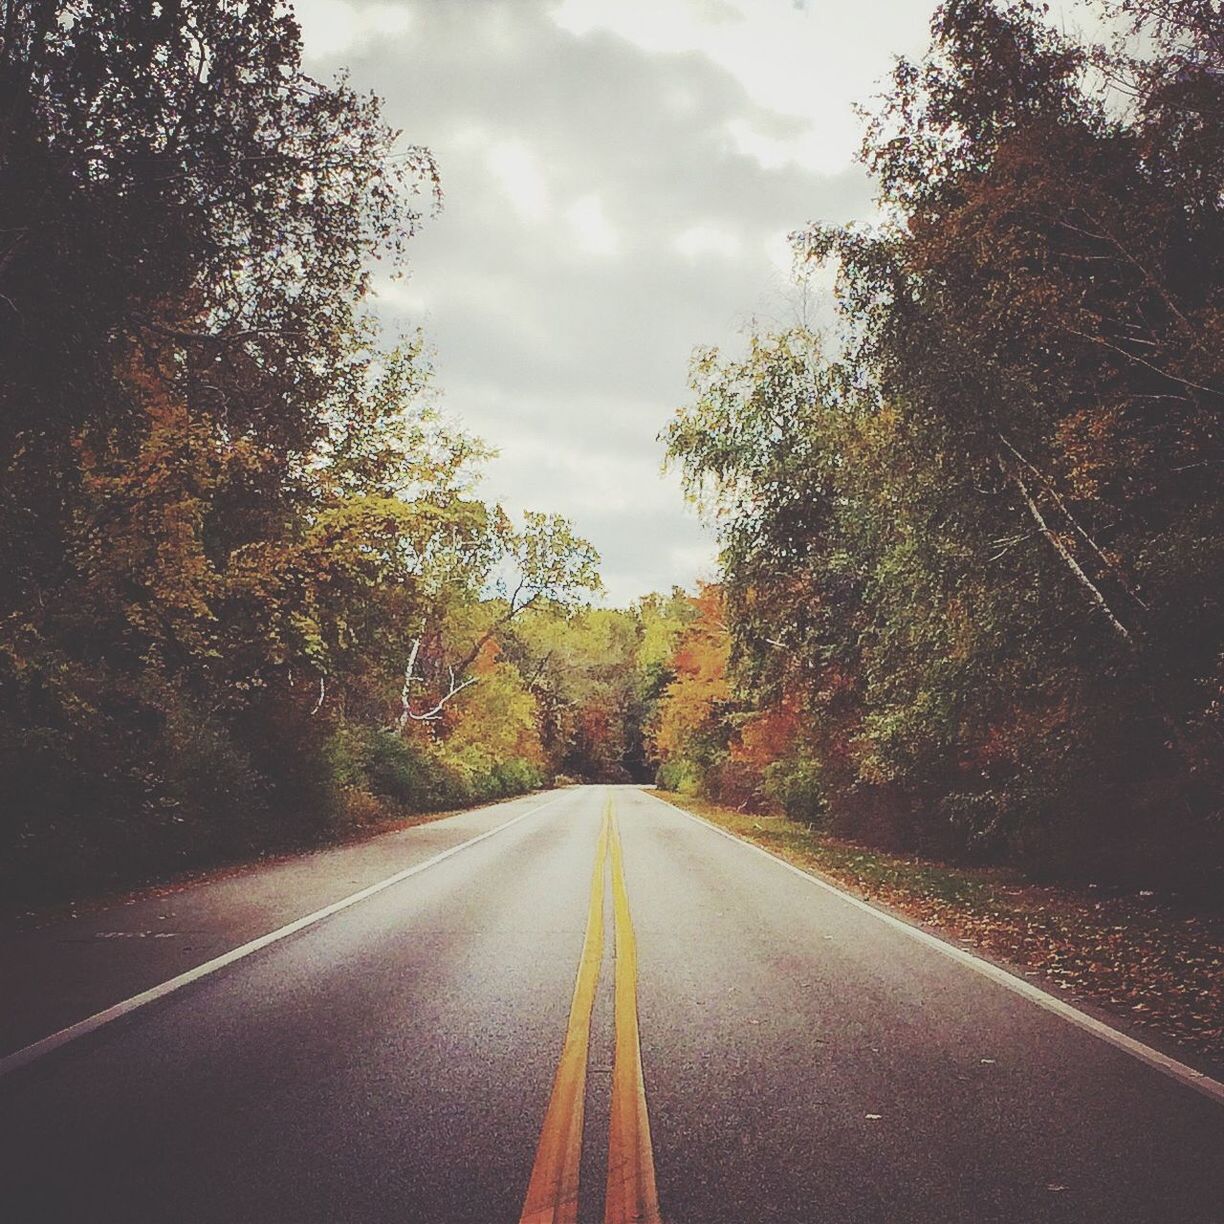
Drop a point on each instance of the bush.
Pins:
(386, 765)
(214, 802)
(419, 779)
(517, 776)
(361, 810)
(679, 775)
(403, 772)
(795, 786)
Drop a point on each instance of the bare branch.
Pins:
(1153, 283)
(1094, 592)
(1185, 382)
(1080, 531)
(407, 713)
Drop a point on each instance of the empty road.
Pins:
(585, 1005)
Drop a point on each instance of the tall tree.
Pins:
(982, 536)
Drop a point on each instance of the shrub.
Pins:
(679, 775)
(384, 764)
(795, 786)
(362, 810)
(517, 776)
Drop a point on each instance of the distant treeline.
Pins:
(973, 540)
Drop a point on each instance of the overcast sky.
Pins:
(619, 178)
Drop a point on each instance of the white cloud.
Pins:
(778, 250)
(803, 148)
(519, 174)
(578, 481)
(698, 241)
(700, 559)
(592, 229)
(401, 296)
(807, 62)
(336, 27)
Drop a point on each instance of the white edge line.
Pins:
(1187, 1075)
(53, 1041)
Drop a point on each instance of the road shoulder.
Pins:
(64, 965)
(1139, 965)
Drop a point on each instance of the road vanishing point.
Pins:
(583, 1006)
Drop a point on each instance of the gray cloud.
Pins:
(601, 219)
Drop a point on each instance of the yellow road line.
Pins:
(632, 1197)
(552, 1193)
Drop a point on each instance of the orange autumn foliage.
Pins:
(700, 685)
(766, 736)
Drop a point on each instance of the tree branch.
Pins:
(1094, 592)
(1185, 382)
(1080, 531)
(407, 713)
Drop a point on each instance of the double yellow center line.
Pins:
(632, 1198)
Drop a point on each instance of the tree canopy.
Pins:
(971, 539)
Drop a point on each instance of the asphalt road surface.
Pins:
(601, 1009)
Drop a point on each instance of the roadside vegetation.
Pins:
(252, 597)
(972, 537)
(969, 604)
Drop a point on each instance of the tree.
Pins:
(174, 190)
(545, 563)
(689, 730)
(186, 226)
(979, 538)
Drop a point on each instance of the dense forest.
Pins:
(970, 599)
(972, 536)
